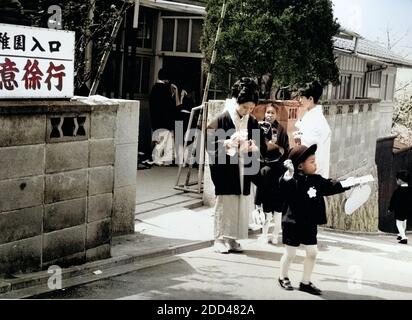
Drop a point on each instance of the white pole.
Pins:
(136, 14)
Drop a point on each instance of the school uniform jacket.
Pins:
(304, 203)
(226, 176)
(282, 141)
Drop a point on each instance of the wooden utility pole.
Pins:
(88, 54)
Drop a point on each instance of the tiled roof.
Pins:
(371, 49)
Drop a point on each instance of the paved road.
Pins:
(348, 267)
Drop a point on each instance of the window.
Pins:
(136, 76)
(181, 34)
(145, 31)
(168, 34)
(142, 37)
(375, 79)
(375, 76)
(197, 29)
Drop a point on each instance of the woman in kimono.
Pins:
(234, 144)
(313, 128)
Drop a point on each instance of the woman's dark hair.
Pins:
(313, 90)
(403, 175)
(245, 90)
(163, 74)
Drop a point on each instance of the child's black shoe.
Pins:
(399, 238)
(404, 241)
(285, 284)
(310, 288)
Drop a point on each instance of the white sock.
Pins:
(265, 228)
(287, 258)
(278, 225)
(309, 263)
(405, 226)
(401, 228)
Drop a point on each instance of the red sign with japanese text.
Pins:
(36, 62)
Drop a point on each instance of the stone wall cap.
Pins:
(350, 101)
(76, 104)
(390, 137)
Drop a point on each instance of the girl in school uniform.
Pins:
(268, 196)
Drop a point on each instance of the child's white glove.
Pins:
(288, 164)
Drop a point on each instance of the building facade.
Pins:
(167, 36)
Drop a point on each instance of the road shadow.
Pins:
(275, 256)
(335, 295)
(162, 282)
(378, 285)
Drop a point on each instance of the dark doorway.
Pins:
(185, 73)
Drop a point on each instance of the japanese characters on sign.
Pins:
(36, 62)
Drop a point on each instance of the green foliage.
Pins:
(291, 39)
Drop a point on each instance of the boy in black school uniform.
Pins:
(400, 204)
(303, 212)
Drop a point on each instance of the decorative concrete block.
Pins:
(98, 253)
(20, 256)
(100, 180)
(103, 125)
(125, 165)
(64, 242)
(66, 156)
(101, 152)
(20, 224)
(21, 193)
(66, 186)
(20, 130)
(98, 233)
(100, 207)
(124, 210)
(64, 214)
(22, 161)
(67, 127)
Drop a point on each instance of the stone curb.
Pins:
(36, 283)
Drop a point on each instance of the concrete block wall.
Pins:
(355, 130)
(56, 183)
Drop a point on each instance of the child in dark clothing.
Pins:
(399, 204)
(304, 211)
(267, 192)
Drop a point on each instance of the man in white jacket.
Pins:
(313, 128)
